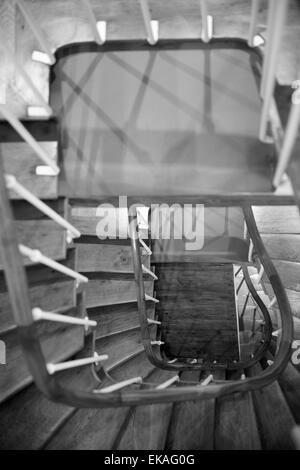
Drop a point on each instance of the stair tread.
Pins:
(293, 297)
(21, 161)
(236, 427)
(289, 382)
(192, 424)
(148, 425)
(117, 318)
(106, 258)
(285, 247)
(31, 419)
(48, 289)
(274, 417)
(273, 219)
(118, 346)
(58, 342)
(289, 273)
(96, 429)
(37, 231)
(101, 292)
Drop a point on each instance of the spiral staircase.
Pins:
(129, 343)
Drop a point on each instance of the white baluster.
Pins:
(151, 26)
(273, 302)
(146, 248)
(152, 299)
(13, 184)
(208, 380)
(39, 314)
(167, 383)
(289, 140)
(153, 322)
(276, 333)
(98, 27)
(150, 273)
(250, 253)
(207, 22)
(96, 359)
(37, 31)
(120, 385)
(23, 132)
(260, 274)
(253, 39)
(37, 257)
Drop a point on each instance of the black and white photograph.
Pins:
(150, 228)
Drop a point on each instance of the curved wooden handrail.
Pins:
(156, 359)
(50, 385)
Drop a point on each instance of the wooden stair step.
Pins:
(48, 289)
(101, 292)
(289, 382)
(20, 161)
(296, 322)
(86, 219)
(31, 419)
(106, 258)
(289, 273)
(37, 231)
(284, 247)
(192, 425)
(59, 341)
(119, 345)
(18, 94)
(235, 426)
(148, 425)
(95, 429)
(43, 235)
(273, 219)
(293, 297)
(117, 318)
(274, 417)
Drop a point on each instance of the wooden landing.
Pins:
(198, 311)
(185, 121)
(220, 237)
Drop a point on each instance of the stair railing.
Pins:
(151, 26)
(98, 27)
(25, 135)
(18, 288)
(155, 357)
(13, 185)
(46, 379)
(43, 107)
(37, 257)
(276, 21)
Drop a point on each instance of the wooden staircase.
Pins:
(280, 229)
(239, 421)
(260, 419)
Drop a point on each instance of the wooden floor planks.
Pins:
(197, 307)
